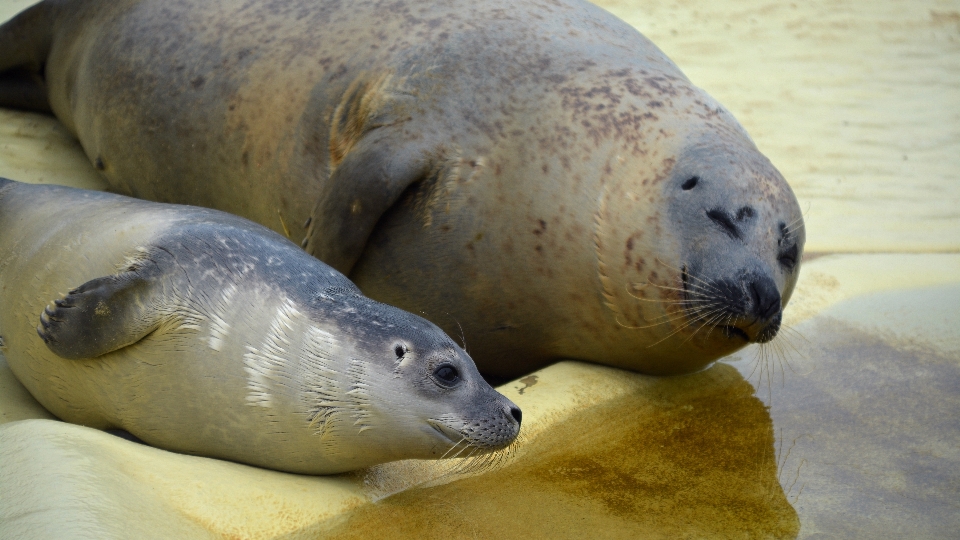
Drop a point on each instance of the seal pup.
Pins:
(201, 332)
(537, 172)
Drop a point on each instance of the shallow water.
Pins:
(845, 426)
(673, 457)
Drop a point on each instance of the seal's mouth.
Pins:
(753, 333)
(454, 436)
(745, 310)
(732, 332)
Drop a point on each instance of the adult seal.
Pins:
(203, 333)
(536, 172)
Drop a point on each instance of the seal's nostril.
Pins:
(517, 415)
(721, 218)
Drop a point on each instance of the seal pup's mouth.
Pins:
(448, 432)
(483, 435)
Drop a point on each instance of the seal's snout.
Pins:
(763, 311)
(751, 307)
(766, 298)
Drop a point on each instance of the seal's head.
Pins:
(729, 238)
(407, 391)
(742, 238)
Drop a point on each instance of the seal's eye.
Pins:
(399, 350)
(788, 259)
(446, 375)
(690, 183)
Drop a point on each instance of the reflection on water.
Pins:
(685, 456)
(870, 432)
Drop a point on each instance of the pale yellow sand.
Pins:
(854, 433)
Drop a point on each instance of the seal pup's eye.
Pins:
(446, 375)
(399, 350)
(690, 183)
(788, 259)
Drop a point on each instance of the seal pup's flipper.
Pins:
(110, 312)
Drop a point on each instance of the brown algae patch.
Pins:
(685, 456)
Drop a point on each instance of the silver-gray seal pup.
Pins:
(203, 333)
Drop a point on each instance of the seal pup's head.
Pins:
(382, 384)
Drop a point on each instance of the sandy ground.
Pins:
(849, 423)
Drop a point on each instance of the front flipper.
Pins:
(110, 312)
(372, 163)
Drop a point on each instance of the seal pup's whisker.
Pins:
(447, 453)
(465, 448)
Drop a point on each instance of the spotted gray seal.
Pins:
(537, 171)
(200, 332)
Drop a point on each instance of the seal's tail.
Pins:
(24, 45)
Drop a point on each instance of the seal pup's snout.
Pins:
(461, 410)
(499, 428)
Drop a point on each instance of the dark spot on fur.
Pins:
(98, 163)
